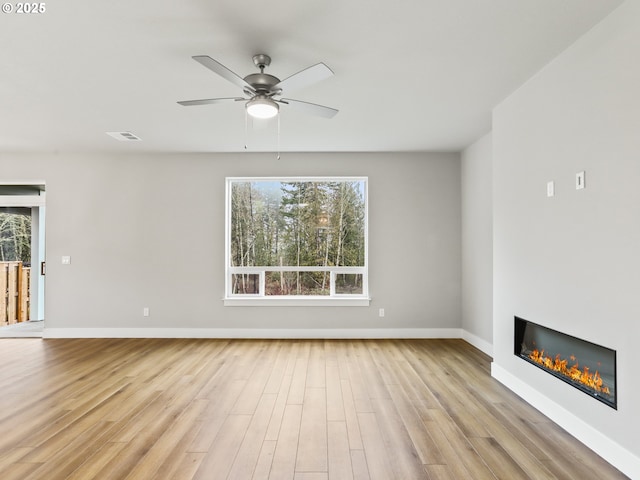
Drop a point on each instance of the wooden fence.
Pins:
(14, 293)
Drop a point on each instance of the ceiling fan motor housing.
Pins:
(263, 83)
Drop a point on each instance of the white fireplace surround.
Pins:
(608, 449)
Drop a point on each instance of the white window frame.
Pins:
(260, 299)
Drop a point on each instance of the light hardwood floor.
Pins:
(271, 409)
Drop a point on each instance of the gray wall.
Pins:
(148, 230)
(571, 262)
(477, 239)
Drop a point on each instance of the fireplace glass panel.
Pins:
(587, 366)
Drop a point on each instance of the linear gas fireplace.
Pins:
(588, 367)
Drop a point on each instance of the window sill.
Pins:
(297, 302)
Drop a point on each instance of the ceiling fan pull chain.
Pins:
(278, 155)
(246, 129)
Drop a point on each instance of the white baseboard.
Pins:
(346, 333)
(478, 342)
(616, 455)
(252, 333)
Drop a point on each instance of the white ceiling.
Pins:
(410, 75)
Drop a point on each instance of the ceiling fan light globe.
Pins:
(262, 108)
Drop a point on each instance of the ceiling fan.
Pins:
(264, 90)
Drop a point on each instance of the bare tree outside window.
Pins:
(15, 237)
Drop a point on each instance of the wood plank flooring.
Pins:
(271, 409)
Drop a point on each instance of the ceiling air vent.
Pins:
(124, 136)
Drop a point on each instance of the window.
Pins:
(296, 241)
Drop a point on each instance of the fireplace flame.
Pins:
(560, 365)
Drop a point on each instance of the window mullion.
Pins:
(261, 291)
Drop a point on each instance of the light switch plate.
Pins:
(551, 190)
(580, 180)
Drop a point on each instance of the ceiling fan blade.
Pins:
(312, 108)
(223, 71)
(209, 101)
(304, 78)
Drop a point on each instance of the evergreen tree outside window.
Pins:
(296, 238)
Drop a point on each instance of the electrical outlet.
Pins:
(66, 260)
(145, 312)
(381, 312)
